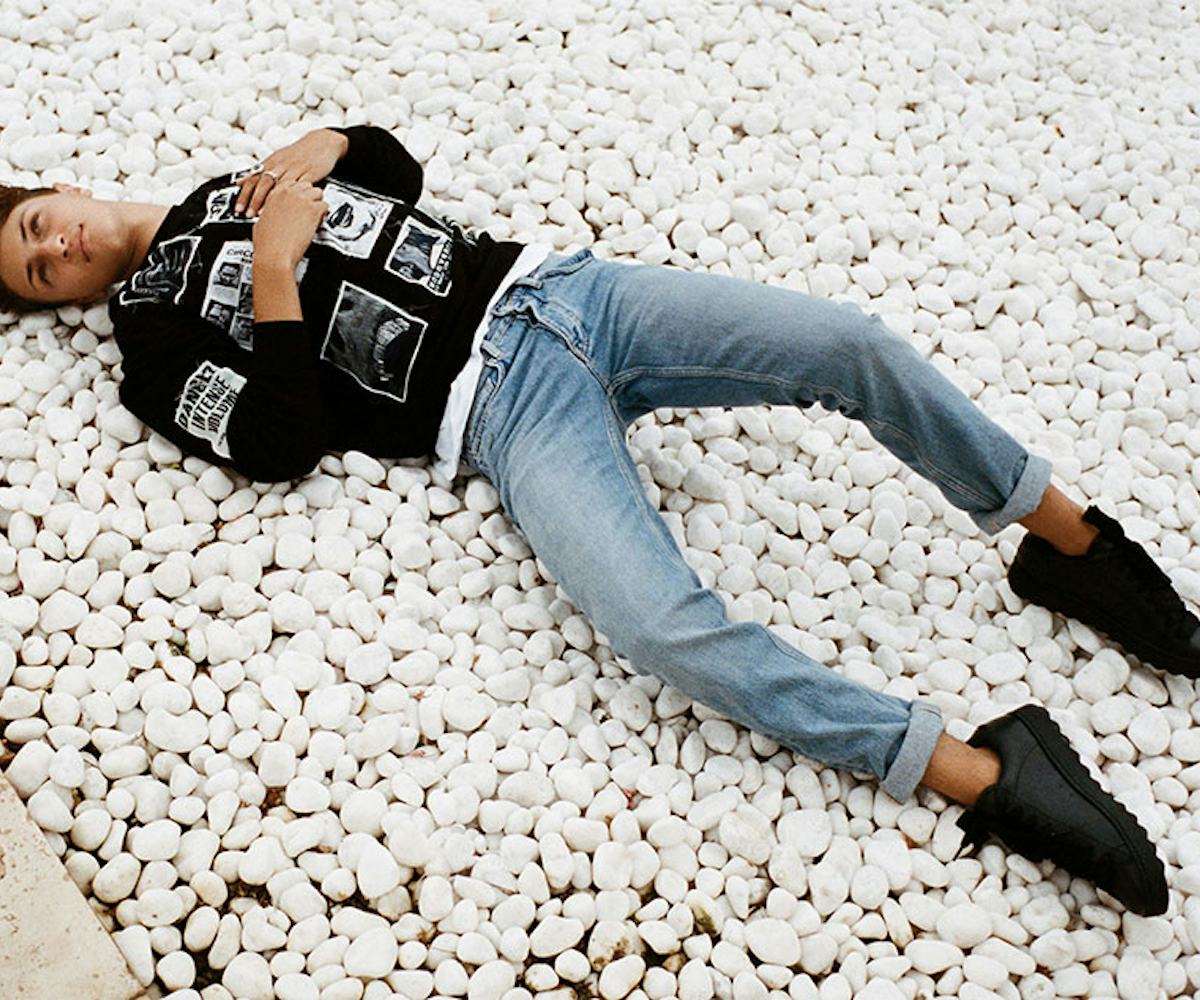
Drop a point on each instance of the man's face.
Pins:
(41, 255)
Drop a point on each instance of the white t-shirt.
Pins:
(462, 390)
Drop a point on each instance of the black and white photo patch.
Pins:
(207, 402)
(421, 255)
(229, 297)
(373, 341)
(163, 275)
(219, 206)
(352, 222)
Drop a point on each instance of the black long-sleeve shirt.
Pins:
(391, 298)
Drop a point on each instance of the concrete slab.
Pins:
(52, 945)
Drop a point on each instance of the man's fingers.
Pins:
(255, 188)
(249, 185)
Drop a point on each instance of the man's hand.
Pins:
(306, 160)
(293, 211)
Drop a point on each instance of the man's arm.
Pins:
(343, 141)
(276, 296)
(376, 160)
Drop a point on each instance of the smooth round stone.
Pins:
(1138, 974)
(632, 706)
(965, 925)
(746, 832)
(306, 795)
(159, 907)
(378, 735)
(554, 935)
(466, 710)
(67, 768)
(409, 845)
(1149, 731)
(277, 765)
(1001, 668)
(1041, 914)
(280, 694)
(866, 468)
(178, 733)
(660, 936)
(773, 941)
(363, 811)
(372, 955)
(621, 976)
(436, 898)
(808, 831)
(932, 957)
(880, 989)
(368, 663)
(491, 981)
(612, 867)
(377, 871)
(296, 986)
(984, 971)
(248, 977)
(848, 541)
(157, 841)
(869, 887)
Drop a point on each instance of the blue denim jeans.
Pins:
(582, 346)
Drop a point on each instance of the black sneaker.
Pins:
(1046, 805)
(1116, 589)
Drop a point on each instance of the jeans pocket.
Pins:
(490, 378)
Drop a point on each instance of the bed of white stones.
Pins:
(344, 739)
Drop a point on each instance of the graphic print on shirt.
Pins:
(373, 341)
(163, 276)
(353, 220)
(219, 205)
(229, 297)
(207, 402)
(421, 255)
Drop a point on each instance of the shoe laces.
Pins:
(1040, 836)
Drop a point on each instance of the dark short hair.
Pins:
(10, 197)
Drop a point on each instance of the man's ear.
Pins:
(71, 188)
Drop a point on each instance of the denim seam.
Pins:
(474, 445)
(611, 427)
(630, 373)
(794, 653)
(642, 501)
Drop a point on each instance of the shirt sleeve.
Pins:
(259, 412)
(378, 161)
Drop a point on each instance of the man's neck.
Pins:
(145, 219)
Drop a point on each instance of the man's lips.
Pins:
(83, 248)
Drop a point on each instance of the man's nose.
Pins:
(58, 245)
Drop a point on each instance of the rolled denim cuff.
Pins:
(1024, 499)
(912, 759)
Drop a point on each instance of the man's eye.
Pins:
(34, 226)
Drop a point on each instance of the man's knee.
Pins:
(669, 638)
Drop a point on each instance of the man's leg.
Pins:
(614, 555)
(658, 336)
(1059, 520)
(551, 443)
(661, 336)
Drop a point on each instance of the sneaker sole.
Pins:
(1048, 736)
(1025, 586)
